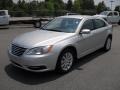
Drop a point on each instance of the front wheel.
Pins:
(65, 61)
(107, 45)
(37, 24)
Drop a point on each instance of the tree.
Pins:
(77, 6)
(59, 4)
(87, 4)
(101, 7)
(10, 3)
(50, 5)
(34, 5)
(41, 5)
(91, 4)
(69, 5)
(3, 4)
(47, 0)
(117, 8)
(6, 4)
(19, 3)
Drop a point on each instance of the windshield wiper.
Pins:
(52, 30)
(55, 30)
(42, 28)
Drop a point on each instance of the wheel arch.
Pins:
(110, 36)
(69, 47)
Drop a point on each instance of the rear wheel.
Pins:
(37, 24)
(119, 22)
(65, 61)
(107, 45)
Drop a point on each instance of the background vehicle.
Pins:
(60, 42)
(4, 18)
(110, 16)
(72, 14)
(38, 22)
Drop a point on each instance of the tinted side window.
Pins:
(115, 13)
(99, 23)
(110, 14)
(2, 13)
(88, 25)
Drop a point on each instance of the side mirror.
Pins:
(85, 31)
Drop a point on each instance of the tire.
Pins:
(119, 22)
(107, 45)
(37, 24)
(65, 61)
(7, 27)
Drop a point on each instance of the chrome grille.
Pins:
(17, 50)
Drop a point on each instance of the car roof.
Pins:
(6, 11)
(77, 16)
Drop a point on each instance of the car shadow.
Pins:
(4, 27)
(31, 78)
(87, 59)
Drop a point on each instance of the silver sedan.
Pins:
(59, 43)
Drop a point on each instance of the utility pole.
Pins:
(112, 4)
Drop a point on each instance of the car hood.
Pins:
(40, 38)
(102, 16)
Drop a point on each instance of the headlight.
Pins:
(39, 50)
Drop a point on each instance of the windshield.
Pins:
(104, 13)
(68, 25)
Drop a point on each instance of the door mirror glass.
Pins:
(85, 31)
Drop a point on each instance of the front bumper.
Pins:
(34, 63)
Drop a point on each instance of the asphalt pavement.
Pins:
(97, 71)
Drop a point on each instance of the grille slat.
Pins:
(17, 50)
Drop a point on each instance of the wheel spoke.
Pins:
(108, 44)
(66, 61)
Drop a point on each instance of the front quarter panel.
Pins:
(109, 30)
(60, 46)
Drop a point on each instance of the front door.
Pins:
(85, 41)
(110, 17)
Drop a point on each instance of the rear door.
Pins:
(110, 17)
(99, 32)
(116, 17)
